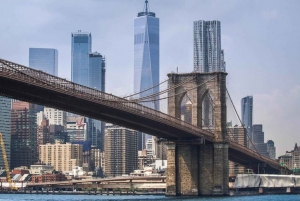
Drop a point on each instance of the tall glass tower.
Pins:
(247, 114)
(88, 69)
(146, 58)
(44, 59)
(81, 47)
(208, 55)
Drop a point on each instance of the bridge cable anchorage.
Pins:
(242, 123)
(164, 91)
(146, 89)
(180, 92)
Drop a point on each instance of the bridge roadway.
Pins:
(23, 83)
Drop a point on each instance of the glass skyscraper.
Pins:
(81, 47)
(44, 59)
(5, 128)
(146, 58)
(88, 69)
(247, 115)
(208, 55)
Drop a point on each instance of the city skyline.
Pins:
(254, 51)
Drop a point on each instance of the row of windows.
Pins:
(139, 38)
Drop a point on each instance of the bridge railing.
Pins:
(38, 77)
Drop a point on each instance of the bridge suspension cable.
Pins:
(180, 92)
(145, 89)
(241, 122)
(164, 91)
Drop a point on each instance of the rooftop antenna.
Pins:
(146, 6)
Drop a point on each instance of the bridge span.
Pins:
(185, 141)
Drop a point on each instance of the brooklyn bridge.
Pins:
(197, 157)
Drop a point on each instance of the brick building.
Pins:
(48, 178)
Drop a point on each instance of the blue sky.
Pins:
(260, 39)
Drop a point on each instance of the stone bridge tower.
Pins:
(198, 169)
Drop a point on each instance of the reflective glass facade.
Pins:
(208, 56)
(81, 47)
(88, 69)
(247, 114)
(44, 59)
(146, 59)
(5, 128)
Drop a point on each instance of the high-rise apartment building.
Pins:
(146, 60)
(208, 55)
(55, 116)
(5, 129)
(120, 150)
(23, 134)
(247, 115)
(62, 156)
(44, 59)
(88, 69)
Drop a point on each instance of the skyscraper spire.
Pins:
(146, 6)
(146, 11)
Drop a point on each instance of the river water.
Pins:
(38, 197)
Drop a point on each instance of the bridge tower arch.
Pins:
(198, 169)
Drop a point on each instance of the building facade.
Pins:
(55, 116)
(44, 59)
(62, 156)
(5, 129)
(258, 140)
(23, 134)
(247, 116)
(120, 151)
(271, 149)
(146, 61)
(88, 69)
(238, 134)
(208, 55)
(81, 47)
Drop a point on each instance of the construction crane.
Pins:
(11, 186)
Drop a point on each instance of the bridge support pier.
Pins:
(197, 169)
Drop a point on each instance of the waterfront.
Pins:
(27, 197)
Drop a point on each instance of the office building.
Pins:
(62, 156)
(146, 60)
(208, 55)
(291, 159)
(247, 116)
(258, 140)
(23, 134)
(88, 69)
(120, 150)
(271, 149)
(5, 129)
(44, 59)
(81, 47)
